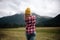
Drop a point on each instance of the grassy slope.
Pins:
(42, 33)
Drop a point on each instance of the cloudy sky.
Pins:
(41, 7)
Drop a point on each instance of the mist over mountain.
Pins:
(40, 20)
(18, 20)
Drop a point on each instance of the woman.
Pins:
(30, 21)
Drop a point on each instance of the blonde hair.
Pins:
(28, 11)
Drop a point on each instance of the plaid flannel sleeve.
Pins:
(34, 20)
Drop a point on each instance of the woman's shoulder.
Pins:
(33, 16)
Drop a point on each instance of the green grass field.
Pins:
(42, 33)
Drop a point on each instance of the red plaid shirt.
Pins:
(30, 24)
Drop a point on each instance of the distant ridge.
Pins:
(54, 22)
(18, 19)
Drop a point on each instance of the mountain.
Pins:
(55, 22)
(18, 19)
(10, 21)
(40, 20)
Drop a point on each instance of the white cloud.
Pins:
(41, 7)
(46, 7)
